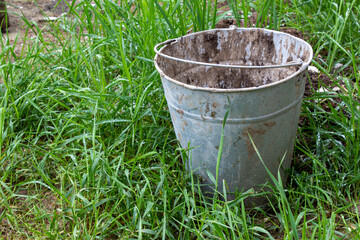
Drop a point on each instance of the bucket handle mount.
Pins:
(298, 62)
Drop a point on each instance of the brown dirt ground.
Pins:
(22, 207)
(33, 12)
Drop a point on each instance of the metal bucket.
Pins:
(260, 75)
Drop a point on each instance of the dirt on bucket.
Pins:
(228, 78)
(231, 48)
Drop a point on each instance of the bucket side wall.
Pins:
(269, 116)
(245, 106)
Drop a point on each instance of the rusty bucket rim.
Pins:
(303, 67)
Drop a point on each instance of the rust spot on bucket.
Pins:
(186, 123)
(254, 133)
(214, 104)
(213, 114)
(181, 112)
(269, 124)
(207, 109)
(181, 98)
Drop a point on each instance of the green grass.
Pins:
(88, 149)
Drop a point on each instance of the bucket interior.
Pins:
(248, 47)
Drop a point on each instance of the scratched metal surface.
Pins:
(268, 113)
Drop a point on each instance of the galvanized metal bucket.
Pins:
(260, 76)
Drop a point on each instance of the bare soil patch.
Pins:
(22, 207)
(34, 13)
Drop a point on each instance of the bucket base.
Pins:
(259, 198)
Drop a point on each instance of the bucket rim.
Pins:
(303, 67)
